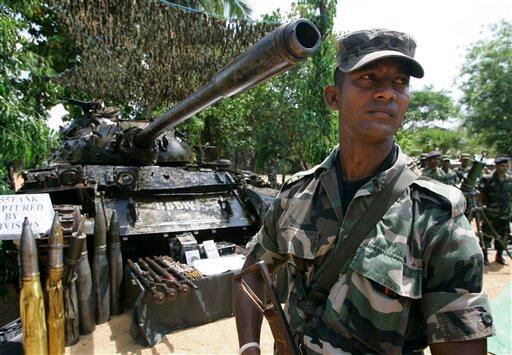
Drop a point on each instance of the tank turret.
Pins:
(95, 138)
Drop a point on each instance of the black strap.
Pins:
(319, 293)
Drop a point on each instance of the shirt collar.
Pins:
(378, 182)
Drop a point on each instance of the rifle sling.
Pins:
(319, 293)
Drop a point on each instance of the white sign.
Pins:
(14, 208)
(191, 256)
(210, 249)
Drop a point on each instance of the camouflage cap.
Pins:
(360, 48)
(466, 156)
(433, 154)
(499, 160)
(446, 159)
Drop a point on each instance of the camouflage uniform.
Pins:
(272, 173)
(462, 172)
(498, 200)
(416, 278)
(450, 177)
(437, 174)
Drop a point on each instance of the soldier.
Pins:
(423, 160)
(432, 170)
(450, 177)
(416, 277)
(272, 172)
(496, 195)
(465, 165)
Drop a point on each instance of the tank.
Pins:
(144, 170)
(156, 199)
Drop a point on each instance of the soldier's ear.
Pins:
(331, 97)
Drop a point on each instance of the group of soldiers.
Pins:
(439, 168)
(494, 202)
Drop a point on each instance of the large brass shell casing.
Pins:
(35, 341)
(32, 313)
(54, 294)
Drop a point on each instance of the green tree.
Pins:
(26, 93)
(451, 142)
(228, 8)
(25, 96)
(418, 133)
(487, 87)
(285, 118)
(428, 105)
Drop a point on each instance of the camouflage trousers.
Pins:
(502, 228)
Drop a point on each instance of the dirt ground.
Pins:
(219, 337)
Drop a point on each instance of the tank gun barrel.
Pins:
(277, 52)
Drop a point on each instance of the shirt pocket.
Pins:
(373, 299)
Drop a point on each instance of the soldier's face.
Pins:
(432, 162)
(372, 101)
(501, 168)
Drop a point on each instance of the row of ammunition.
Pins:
(184, 270)
(163, 277)
(76, 298)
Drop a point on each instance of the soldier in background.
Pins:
(272, 172)
(432, 170)
(465, 165)
(496, 195)
(450, 177)
(423, 160)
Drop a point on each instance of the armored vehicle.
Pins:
(143, 170)
(156, 197)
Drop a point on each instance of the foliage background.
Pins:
(487, 87)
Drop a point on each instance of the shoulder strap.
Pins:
(340, 256)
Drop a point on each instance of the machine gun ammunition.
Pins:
(191, 272)
(167, 276)
(176, 272)
(158, 297)
(53, 288)
(71, 316)
(32, 314)
(100, 270)
(168, 286)
(115, 260)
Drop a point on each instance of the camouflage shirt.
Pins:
(498, 195)
(437, 174)
(416, 278)
(450, 177)
(462, 172)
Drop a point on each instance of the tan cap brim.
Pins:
(356, 62)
